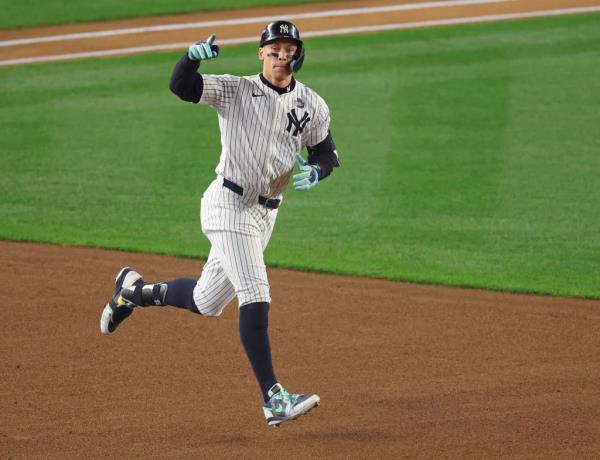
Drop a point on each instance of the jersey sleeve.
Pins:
(320, 127)
(218, 90)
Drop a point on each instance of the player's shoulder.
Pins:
(224, 78)
(310, 94)
(251, 79)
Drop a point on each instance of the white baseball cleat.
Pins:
(118, 309)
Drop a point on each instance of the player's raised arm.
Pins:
(186, 82)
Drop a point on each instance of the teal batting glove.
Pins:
(202, 51)
(308, 177)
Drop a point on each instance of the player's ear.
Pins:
(261, 55)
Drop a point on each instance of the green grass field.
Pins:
(29, 13)
(469, 156)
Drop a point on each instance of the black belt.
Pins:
(271, 203)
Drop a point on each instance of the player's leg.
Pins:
(207, 296)
(213, 291)
(281, 406)
(176, 293)
(253, 327)
(239, 236)
(210, 294)
(130, 292)
(241, 256)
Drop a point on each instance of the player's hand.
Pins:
(202, 51)
(308, 177)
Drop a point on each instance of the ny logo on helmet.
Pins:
(283, 29)
(298, 125)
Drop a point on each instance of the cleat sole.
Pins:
(277, 423)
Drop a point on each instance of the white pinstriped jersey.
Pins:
(261, 130)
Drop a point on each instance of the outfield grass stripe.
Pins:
(320, 33)
(249, 20)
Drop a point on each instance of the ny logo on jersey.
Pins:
(283, 29)
(296, 123)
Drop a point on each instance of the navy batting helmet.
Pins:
(284, 30)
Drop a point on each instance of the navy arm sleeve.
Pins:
(186, 82)
(324, 155)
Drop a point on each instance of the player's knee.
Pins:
(209, 309)
(254, 316)
(256, 293)
(209, 304)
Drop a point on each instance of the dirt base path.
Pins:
(403, 370)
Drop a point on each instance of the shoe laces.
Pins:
(287, 397)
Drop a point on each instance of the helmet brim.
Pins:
(274, 39)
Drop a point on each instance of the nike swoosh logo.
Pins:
(257, 95)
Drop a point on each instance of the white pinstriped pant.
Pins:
(239, 229)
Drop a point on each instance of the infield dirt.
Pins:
(403, 370)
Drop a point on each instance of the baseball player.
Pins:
(265, 121)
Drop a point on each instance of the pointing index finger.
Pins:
(211, 39)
